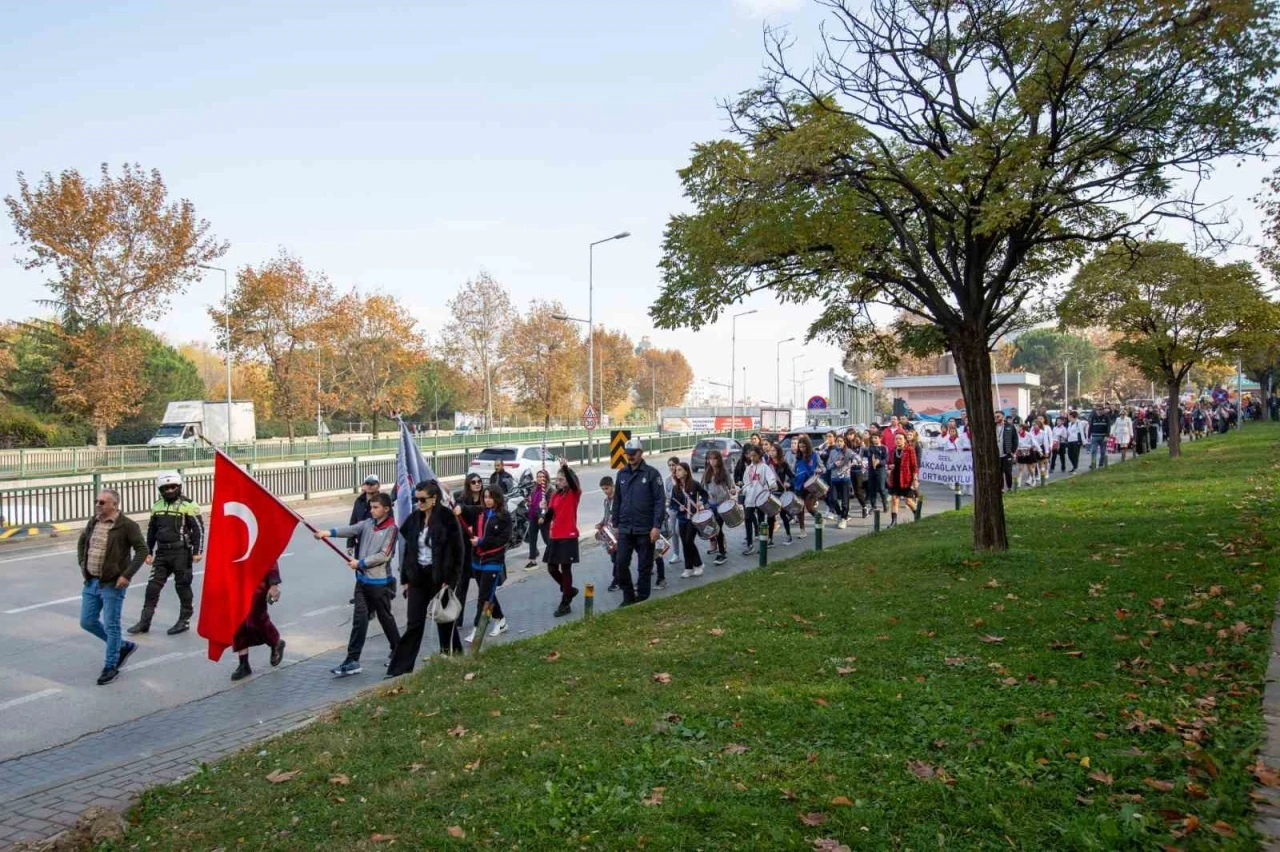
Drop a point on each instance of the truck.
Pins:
(186, 421)
(783, 420)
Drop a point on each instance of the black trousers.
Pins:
(175, 561)
(1073, 453)
(536, 530)
(374, 599)
(406, 653)
(487, 583)
(1058, 456)
(1006, 468)
(840, 499)
(860, 488)
(636, 544)
(754, 520)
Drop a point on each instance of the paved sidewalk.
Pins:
(43, 793)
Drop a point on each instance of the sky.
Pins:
(404, 147)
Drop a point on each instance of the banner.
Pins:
(947, 466)
(700, 423)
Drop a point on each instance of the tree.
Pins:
(99, 377)
(664, 374)
(252, 381)
(279, 311)
(1047, 353)
(1172, 310)
(950, 159)
(616, 368)
(544, 355)
(439, 390)
(167, 375)
(480, 315)
(383, 352)
(118, 250)
(34, 347)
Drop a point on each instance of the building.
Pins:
(940, 393)
(643, 346)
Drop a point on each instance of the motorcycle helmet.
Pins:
(168, 479)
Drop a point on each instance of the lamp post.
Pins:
(733, 369)
(1066, 377)
(226, 318)
(591, 289)
(777, 373)
(804, 381)
(793, 378)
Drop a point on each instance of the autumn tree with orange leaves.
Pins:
(378, 343)
(617, 369)
(545, 358)
(663, 378)
(116, 252)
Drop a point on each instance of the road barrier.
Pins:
(290, 480)
(55, 461)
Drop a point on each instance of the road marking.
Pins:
(286, 553)
(44, 555)
(26, 699)
(40, 605)
(316, 612)
(165, 658)
(286, 626)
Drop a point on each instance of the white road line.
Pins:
(286, 553)
(164, 658)
(40, 605)
(26, 699)
(43, 555)
(285, 626)
(316, 612)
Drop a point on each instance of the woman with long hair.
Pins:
(470, 494)
(490, 529)
(876, 457)
(432, 561)
(562, 519)
(715, 479)
(782, 476)
(857, 468)
(904, 476)
(758, 481)
(841, 480)
(686, 498)
(1025, 455)
(539, 498)
(807, 466)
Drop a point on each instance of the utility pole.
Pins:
(1066, 389)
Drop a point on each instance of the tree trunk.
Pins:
(973, 364)
(102, 437)
(375, 424)
(1173, 420)
(292, 430)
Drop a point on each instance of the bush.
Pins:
(20, 428)
(280, 428)
(137, 432)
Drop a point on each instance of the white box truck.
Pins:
(186, 421)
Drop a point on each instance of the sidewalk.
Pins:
(43, 793)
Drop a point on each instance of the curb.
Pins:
(18, 533)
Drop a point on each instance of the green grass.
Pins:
(1093, 688)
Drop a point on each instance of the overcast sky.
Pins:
(405, 147)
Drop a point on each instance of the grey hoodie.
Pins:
(377, 544)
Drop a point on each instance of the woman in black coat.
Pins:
(432, 560)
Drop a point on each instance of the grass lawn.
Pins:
(1097, 687)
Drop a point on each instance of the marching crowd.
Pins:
(453, 540)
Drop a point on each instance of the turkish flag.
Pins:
(248, 530)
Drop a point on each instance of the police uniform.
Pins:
(175, 532)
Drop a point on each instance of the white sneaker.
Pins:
(843, 524)
(673, 560)
(470, 637)
(802, 534)
(697, 572)
(499, 628)
(686, 573)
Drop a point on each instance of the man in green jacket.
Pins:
(110, 551)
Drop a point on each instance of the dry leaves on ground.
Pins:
(827, 844)
(814, 818)
(842, 801)
(1265, 774)
(553, 656)
(655, 798)
(279, 777)
(1104, 777)
(716, 631)
(992, 639)
(1156, 784)
(456, 831)
(340, 778)
(661, 677)
(734, 748)
(382, 838)
(458, 731)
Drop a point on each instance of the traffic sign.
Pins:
(617, 448)
(589, 418)
(817, 403)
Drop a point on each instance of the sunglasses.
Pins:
(422, 500)
(102, 502)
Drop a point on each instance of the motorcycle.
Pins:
(518, 508)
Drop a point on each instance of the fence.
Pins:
(28, 463)
(304, 479)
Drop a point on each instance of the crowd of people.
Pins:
(453, 540)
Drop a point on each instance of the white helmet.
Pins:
(168, 477)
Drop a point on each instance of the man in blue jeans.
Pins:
(1099, 431)
(111, 550)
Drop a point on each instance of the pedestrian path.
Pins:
(43, 793)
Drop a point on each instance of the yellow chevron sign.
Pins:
(617, 440)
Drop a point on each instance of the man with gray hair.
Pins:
(110, 551)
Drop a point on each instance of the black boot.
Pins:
(893, 519)
(562, 610)
(277, 653)
(243, 671)
(179, 626)
(144, 623)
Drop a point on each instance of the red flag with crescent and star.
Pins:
(248, 530)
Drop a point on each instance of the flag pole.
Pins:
(346, 560)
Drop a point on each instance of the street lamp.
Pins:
(793, 378)
(804, 381)
(733, 369)
(591, 289)
(777, 373)
(226, 317)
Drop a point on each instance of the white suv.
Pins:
(516, 459)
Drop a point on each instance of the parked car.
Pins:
(516, 458)
(728, 447)
(816, 437)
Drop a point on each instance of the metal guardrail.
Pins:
(54, 461)
(298, 479)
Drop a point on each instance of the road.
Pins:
(48, 665)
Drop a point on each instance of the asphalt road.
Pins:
(48, 665)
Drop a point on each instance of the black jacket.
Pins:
(503, 480)
(1099, 425)
(359, 512)
(639, 500)
(1009, 445)
(445, 535)
(491, 549)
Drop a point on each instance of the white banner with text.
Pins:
(947, 466)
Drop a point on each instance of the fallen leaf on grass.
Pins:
(740, 787)
(734, 748)
(842, 801)
(993, 583)
(340, 779)
(1104, 777)
(655, 798)
(789, 796)
(278, 777)
(798, 619)
(469, 676)
(1195, 790)
(662, 677)
(992, 639)
(822, 702)
(716, 631)
(552, 657)
(814, 818)
(1223, 829)
(827, 844)
(415, 767)
(456, 831)
(1155, 784)
(1265, 774)
(843, 670)
(653, 642)
(954, 661)
(812, 757)
(382, 838)
(920, 769)
(458, 731)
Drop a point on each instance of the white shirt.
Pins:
(1027, 441)
(1122, 429)
(757, 480)
(1060, 434)
(1043, 440)
(1076, 431)
(424, 547)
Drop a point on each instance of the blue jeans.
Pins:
(100, 603)
(1098, 447)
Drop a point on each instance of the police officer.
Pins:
(639, 507)
(175, 539)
